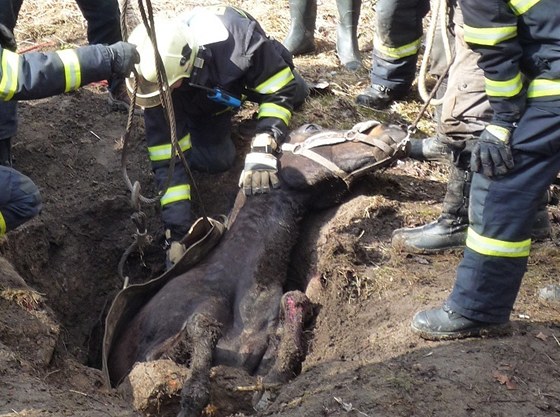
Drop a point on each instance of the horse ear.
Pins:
(303, 132)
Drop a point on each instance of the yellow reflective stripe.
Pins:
(10, 72)
(163, 152)
(276, 82)
(176, 193)
(409, 49)
(274, 110)
(241, 12)
(543, 88)
(507, 88)
(495, 247)
(489, 36)
(500, 132)
(72, 69)
(2, 225)
(521, 6)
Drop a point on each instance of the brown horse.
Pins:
(230, 309)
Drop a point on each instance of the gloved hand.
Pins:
(491, 154)
(7, 39)
(261, 166)
(123, 57)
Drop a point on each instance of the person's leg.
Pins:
(450, 229)
(464, 114)
(174, 185)
(9, 10)
(347, 33)
(502, 212)
(300, 39)
(20, 199)
(212, 147)
(104, 26)
(103, 19)
(397, 41)
(8, 129)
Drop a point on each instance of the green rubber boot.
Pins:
(347, 33)
(301, 39)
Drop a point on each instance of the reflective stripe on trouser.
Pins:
(212, 150)
(176, 202)
(399, 23)
(20, 200)
(176, 205)
(502, 212)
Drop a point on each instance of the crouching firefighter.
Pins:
(214, 59)
(37, 75)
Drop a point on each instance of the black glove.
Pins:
(491, 154)
(7, 39)
(123, 57)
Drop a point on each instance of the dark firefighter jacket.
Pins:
(519, 43)
(37, 75)
(247, 65)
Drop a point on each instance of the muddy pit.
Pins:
(59, 274)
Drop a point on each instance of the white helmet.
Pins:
(174, 39)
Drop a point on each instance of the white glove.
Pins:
(260, 172)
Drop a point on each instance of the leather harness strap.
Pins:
(355, 134)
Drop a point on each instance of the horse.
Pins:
(230, 308)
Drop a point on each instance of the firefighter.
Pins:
(301, 39)
(514, 161)
(103, 18)
(38, 75)
(465, 111)
(214, 58)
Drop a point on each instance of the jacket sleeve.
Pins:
(491, 30)
(272, 84)
(37, 75)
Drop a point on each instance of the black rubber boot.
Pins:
(430, 149)
(301, 39)
(444, 324)
(347, 33)
(378, 97)
(449, 231)
(6, 152)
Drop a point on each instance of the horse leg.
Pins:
(288, 351)
(203, 332)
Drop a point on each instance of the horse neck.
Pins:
(265, 226)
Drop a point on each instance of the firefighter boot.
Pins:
(379, 97)
(430, 149)
(450, 229)
(6, 152)
(347, 33)
(301, 39)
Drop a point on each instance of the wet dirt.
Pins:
(363, 358)
(59, 273)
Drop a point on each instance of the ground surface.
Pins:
(59, 272)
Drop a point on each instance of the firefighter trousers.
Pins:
(20, 200)
(502, 211)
